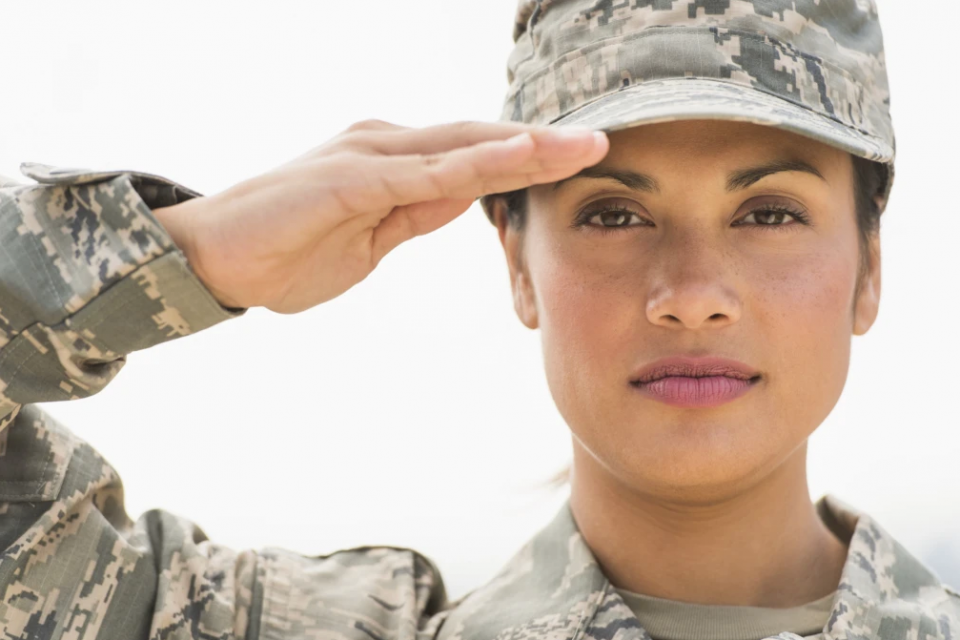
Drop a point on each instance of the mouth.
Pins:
(695, 382)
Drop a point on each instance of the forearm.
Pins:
(180, 222)
(87, 275)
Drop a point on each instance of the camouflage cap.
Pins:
(813, 67)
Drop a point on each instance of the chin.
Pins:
(690, 463)
(695, 479)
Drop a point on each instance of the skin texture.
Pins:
(698, 505)
(307, 231)
(718, 496)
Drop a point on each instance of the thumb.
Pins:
(409, 221)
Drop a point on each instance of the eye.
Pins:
(614, 219)
(610, 217)
(769, 215)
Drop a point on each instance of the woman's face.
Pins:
(695, 294)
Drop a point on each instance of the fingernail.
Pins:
(571, 133)
(599, 137)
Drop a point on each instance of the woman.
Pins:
(695, 276)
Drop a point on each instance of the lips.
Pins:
(695, 382)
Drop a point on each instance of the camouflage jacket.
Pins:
(88, 275)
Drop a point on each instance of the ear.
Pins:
(868, 300)
(511, 239)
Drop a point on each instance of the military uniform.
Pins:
(88, 275)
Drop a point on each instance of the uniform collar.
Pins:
(553, 589)
(885, 592)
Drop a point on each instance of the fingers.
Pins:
(534, 157)
(437, 139)
(407, 222)
(373, 125)
(434, 190)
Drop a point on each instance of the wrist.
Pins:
(179, 221)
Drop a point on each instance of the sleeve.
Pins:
(88, 275)
(363, 593)
(76, 566)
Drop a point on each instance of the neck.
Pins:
(763, 546)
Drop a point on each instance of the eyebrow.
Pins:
(744, 178)
(630, 179)
(737, 181)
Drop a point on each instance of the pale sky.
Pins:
(413, 410)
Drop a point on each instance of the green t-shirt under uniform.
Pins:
(673, 620)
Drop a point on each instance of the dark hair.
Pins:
(870, 182)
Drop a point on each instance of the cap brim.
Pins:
(703, 99)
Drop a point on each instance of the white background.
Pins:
(413, 410)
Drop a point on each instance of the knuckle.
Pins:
(355, 138)
(370, 124)
(431, 160)
(463, 126)
(389, 185)
(344, 172)
(441, 188)
(438, 185)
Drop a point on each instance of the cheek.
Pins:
(592, 321)
(803, 312)
(798, 322)
(586, 301)
(796, 325)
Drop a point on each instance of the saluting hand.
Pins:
(310, 229)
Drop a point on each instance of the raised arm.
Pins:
(311, 229)
(97, 265)
(87, 275)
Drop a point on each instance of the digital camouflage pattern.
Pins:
(554, 588)
(813, 67)
(88, 275)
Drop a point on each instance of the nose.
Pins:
(695, 294)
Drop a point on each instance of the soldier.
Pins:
(696, 276)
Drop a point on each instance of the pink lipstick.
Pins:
(695, 382)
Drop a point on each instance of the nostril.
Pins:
(718, 316)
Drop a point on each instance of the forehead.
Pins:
(673, 158)
(720, 143)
